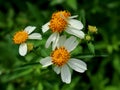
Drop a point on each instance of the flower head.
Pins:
(21, 37)
(62, 61)
(62, 21)
(60, 56)
(58, 21)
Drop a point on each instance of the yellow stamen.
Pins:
(60, 56)
(58, 21)
(20, 37)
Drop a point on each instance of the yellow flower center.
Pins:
(20, 37)
(60, 56)
(58, 21)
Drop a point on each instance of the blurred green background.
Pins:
(25, 73)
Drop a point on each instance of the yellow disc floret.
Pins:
(20, 37)
(60, 56)
(58, 21)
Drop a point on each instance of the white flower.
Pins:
(62, 21)
(21, 37)
(60, 57)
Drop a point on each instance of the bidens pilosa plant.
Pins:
(63, 44)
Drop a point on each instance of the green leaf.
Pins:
(54, 2)
(35, 13)
(77, 51)
(10, 87)
(10, 18)
(110, 48)
(82, 16)
(40, 87)
(111, 88)
(72, 4)
(16, 74)
(91, 48)
(86, 56)
(91, 56)
(116, 63)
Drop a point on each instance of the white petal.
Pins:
(29, 29)
(75, 32)
(65, 74)
(23, 49)
(55, 42)
(46, 61)
(61, 41)
(57, 69)
(73, 46)
(75, 24)
(35, 36)
(51, 39)
(69, 40)
(77, 65)
(45, 27)
(71, 43)
(73, 16)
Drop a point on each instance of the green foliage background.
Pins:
(25, 73)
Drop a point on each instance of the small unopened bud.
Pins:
(30, 46)
(92, 29)
(88, 37)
